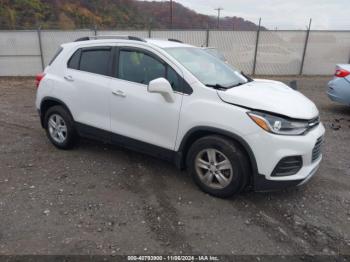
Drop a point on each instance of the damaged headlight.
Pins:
(279, 125)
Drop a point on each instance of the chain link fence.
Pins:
(27, 52)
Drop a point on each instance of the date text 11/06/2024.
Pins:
(173, 258)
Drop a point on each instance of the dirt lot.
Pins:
(101, 199)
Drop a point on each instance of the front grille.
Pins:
(316, 151)
(288, 166)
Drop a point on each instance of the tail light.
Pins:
(38, 78)
(342, 73)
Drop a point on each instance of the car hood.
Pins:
(271, 96)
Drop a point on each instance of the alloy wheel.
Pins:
(57, 128)
(213, 168)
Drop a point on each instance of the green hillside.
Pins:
(106, 14)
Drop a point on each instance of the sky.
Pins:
(281, 14)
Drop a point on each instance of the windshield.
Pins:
(215, 53)
(210, 70)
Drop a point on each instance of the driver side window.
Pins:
(139, 67)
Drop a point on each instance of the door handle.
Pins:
(69, 78)
(118, 93)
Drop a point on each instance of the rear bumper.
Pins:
(334, 97)
(339, 91)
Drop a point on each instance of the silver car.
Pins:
(339, 87)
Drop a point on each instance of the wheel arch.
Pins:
(48, 102)
(198, 132)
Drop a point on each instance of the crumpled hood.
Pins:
(271, 96)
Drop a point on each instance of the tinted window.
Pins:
(95, 61)
(174, 79)
(74, 60)
(186, 88)
(139, 67)
(177, 82)
(56, 55)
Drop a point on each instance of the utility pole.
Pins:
(219, 11)
(171, 14)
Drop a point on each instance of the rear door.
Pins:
(88, 73)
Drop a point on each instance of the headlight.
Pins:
(279, 125)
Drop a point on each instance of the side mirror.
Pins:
(163, 87)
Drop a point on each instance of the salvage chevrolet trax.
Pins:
(177, 102)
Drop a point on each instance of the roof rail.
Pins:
(85, 38)
(175, 40)
(126, 37)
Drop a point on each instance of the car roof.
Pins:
(161, 43)
(166, 43)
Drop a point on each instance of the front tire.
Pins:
(218, 166)
(59, 127)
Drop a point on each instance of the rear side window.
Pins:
(93, 60)
(74, 60)
(56, 55)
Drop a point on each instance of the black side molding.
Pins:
(126, 142)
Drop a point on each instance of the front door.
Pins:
(136, 113)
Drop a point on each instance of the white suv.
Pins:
(177, 102)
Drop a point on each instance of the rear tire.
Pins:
(218, 166)
(60, 128)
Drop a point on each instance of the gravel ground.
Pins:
(101, 199)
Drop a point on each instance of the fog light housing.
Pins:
(288, 166)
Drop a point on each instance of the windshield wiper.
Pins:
(239, 84)
(217, 86)
(223, 88)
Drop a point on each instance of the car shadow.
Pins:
(126, 157)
